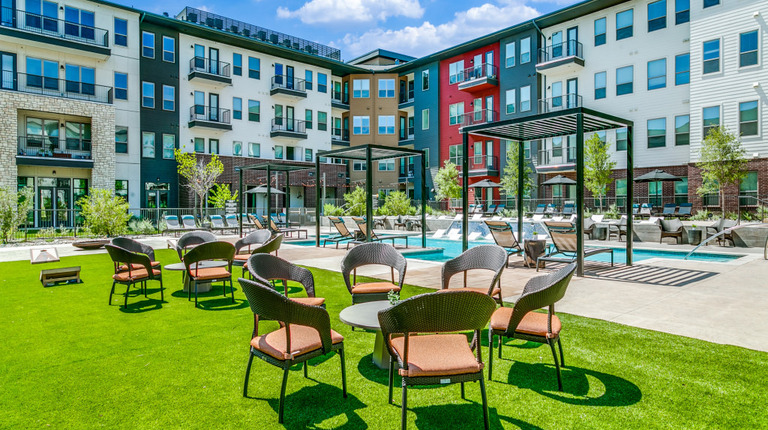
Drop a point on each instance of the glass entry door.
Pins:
(54, 202)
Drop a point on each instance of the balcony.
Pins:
(553, 104)
(41, 85)
(339, 100)
(478, 78)
(406, 175)
(53, 151)
(558, 159)
(288, 86)
(405, 99)
(479, 165)
(406, 136)
(40, 28)
(210, 70)
(205, 116)
(339, 137)
(291, 129)
(566, 57)
(476, 117)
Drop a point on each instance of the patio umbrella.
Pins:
(657, 175)
(261, 189)
(485, 183)
(560, 180)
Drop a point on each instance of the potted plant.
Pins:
(535, 235)
(694, 235)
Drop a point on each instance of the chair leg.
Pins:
(343, 373)
(562, 357)
(111, 292)
(404, 406)
(463, 396)
(247, 374)
(490, 354)
(305, 370)
(485, 404)
(501, 342)
(144, 287)
(162, 299)
(127, 287)
(557, 365)
(189, 290)
(195, 293)
(282, 396)
(391, 377)
(231, 290)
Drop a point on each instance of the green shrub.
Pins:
(141, 226)
(701, 215)
(397, 203)
(105, 213)
(612, 212)
(355, 202)
(14, 208)
(330, 209)
(761, 212)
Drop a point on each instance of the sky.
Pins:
(410, 27)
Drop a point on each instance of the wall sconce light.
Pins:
(756, 85)
(53, 173)
(191, 93)
(61, 67)
(191, 140)
(756, 14)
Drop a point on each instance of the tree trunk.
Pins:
(722, 201)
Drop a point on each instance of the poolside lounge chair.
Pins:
(344, 234)
(635, 209)
(376, 238)
(645, 210)
(217, 223)
(669, 210)
(256, 222)
(569, 208)
(504, 237)
(172, 224)
(563, 236)
(232, 222)
(672, 227)
(685, 210)
(550, 210)
(188, 222)
(499, 209)
(373, 254)
(288, 231)
(491, 210)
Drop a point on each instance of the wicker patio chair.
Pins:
(373, 253)
(206, 252)
(717, 227)
(504, 237)
(671, 228)
(138, 247)
(268, 247)
(420, 333)
(305, 333)
(483, 257)
(589, 227)
(564, 238)
(266, 268)
(253, 239)
(344, 233)
(132, 275)
(521, 322)
(192, 239)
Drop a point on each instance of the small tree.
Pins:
(396, 203)
(447, 184)
(105, 214)
(509, 178)
(355, 202)
(14, 208)
(721, 161)
(200, 176)
(220, 194)
(598, 167)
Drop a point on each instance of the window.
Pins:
(624, 80)
(361, 88)
(237, 108)
(657, 15)
(121, 32)
(712, 56)
(600, 30)
(424, 80)
(557, 146)
(510, 54)
(657, 133)
(322, 121)
(148, 44)
(213, 146)
(600, 85)
(455, 113)
(322, 82)
(199, 144)
(254, 68)
(681, 191)
(456, 72)
(425, 119)
(308, 78)
(148, 144)
(708, 3)
(510, 99)
(254, 149)
(121, 86)
(748, 49)
(121, 139)
(682, 11)
(386, 124)
(624, 24)
(169, 144)
(307, 154)
(525, 50)
(80, 79)
(254, 110)
(682, 69)
(237, 148)
(387, 165)
(748, 118)
(237, 64)
(308, 118)
(169, 98)
(455, 153)
(358, 166)
(169, 49)
(748, 187)
(148, 95)
(621, 191)
(525, 98)
(682, 130)
(361, 125)
(711, 119)
(279, 152)
(386, 88)
(657, 74)
(41, 73)
(121, 188)
(621, 139)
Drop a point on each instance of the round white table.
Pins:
(202, 287)
(366, 316)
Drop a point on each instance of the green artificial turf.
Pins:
(69, 360)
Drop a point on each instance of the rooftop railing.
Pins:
(53, 27)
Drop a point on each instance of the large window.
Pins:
(525, 50)
(148, 95)
(148, 44)
(169, 98)
(510, 54)
(169, 49)
(148, 144)
(322, 83)
(600, 85)
(748, 187)
(361, 88)
(624, 79)
(456, 72)
(455, 113)
(254, 68)
(121, 139)
(711, 119)
(657, 132)
(386, 124)
(624, 22)
(308, 118)
(279, 152)
(237, 148)
(748, 118)
(309, 78)
(254, 110)
(712, 56)
(708, 3)
(169, 144)
(322, 121)
(657, 74)
(681, 191)
(121, 86)
(199, 145)
(682, 69)
(359, 166)
(511, 101)
(237, 64)
(386, 88)
(682, 130)
(237, 108)
(621, 139)
(213, 146)
(121, 32)
(525, 98)
(682, 11)
(40, 73)
(748, 49)
(387, 165)
(121, 189)
(424, 80)
(79, 23)
(425, 119)
(600, 30)
(657, 15)
(254, 149)
(80, 79)
(361, 125)
(621, 191)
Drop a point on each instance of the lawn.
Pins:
(71, 361)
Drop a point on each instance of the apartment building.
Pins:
(70, 108)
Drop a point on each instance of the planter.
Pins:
(694, 236)
(90, 244)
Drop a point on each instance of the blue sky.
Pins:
(412, 27)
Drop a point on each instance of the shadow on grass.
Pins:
(149, 303)
(213, 300)
(468, 415)
(369, 371)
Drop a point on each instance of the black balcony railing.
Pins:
(340, 134)
(566, 101)
(54, 27)
(557, 51)
(477, 117)
(557, 156)
(479, 71)
(406, 97)
(43, 85)
(406, 174)
(206, 65)
(406, 133)
(478, 162)
(208, 114)
(55, 147)
(282, 124)
(288, 83)
(340, 97)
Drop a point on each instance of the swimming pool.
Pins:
(447, 249)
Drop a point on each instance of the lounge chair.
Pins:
(685, 210)
(217, 223)
(669, 210)
(635, 209)
(376, 238)
(671, 228)
(569, 208)
(188, 222)
(504, 237)
(550, 210)
(172, 224)
(344, 234)
(491, 210)
(645, 210)
(563, 236)
(256, 222)
(288, 231)
(500, 208)
(232, 222)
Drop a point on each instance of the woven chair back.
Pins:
(267, 267)
(210, 251)
(373, 253)
(134, 246)
(122, 256)
(540, 292)
(487, 257)
(253, 238)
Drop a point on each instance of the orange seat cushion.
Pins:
(437, 355)
(495, 293)
(210, 273)
(533, 323)
(303, 340)
(134, 275)
(311, 301)
(242, 257)
(374, 287)
(135, 266)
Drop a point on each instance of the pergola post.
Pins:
(287, 198)
(630, 195)
(465, 192)
(520, 184)
(423, 200)
(269, 195)
(240, 202)
(318, 190)
(368, 194)
(580, 194)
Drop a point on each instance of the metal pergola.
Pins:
(369, 154)
(269, 167)
(564, 122)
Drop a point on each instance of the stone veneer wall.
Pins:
(102, 133)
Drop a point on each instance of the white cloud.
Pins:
(358, 11)
(429, 38)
